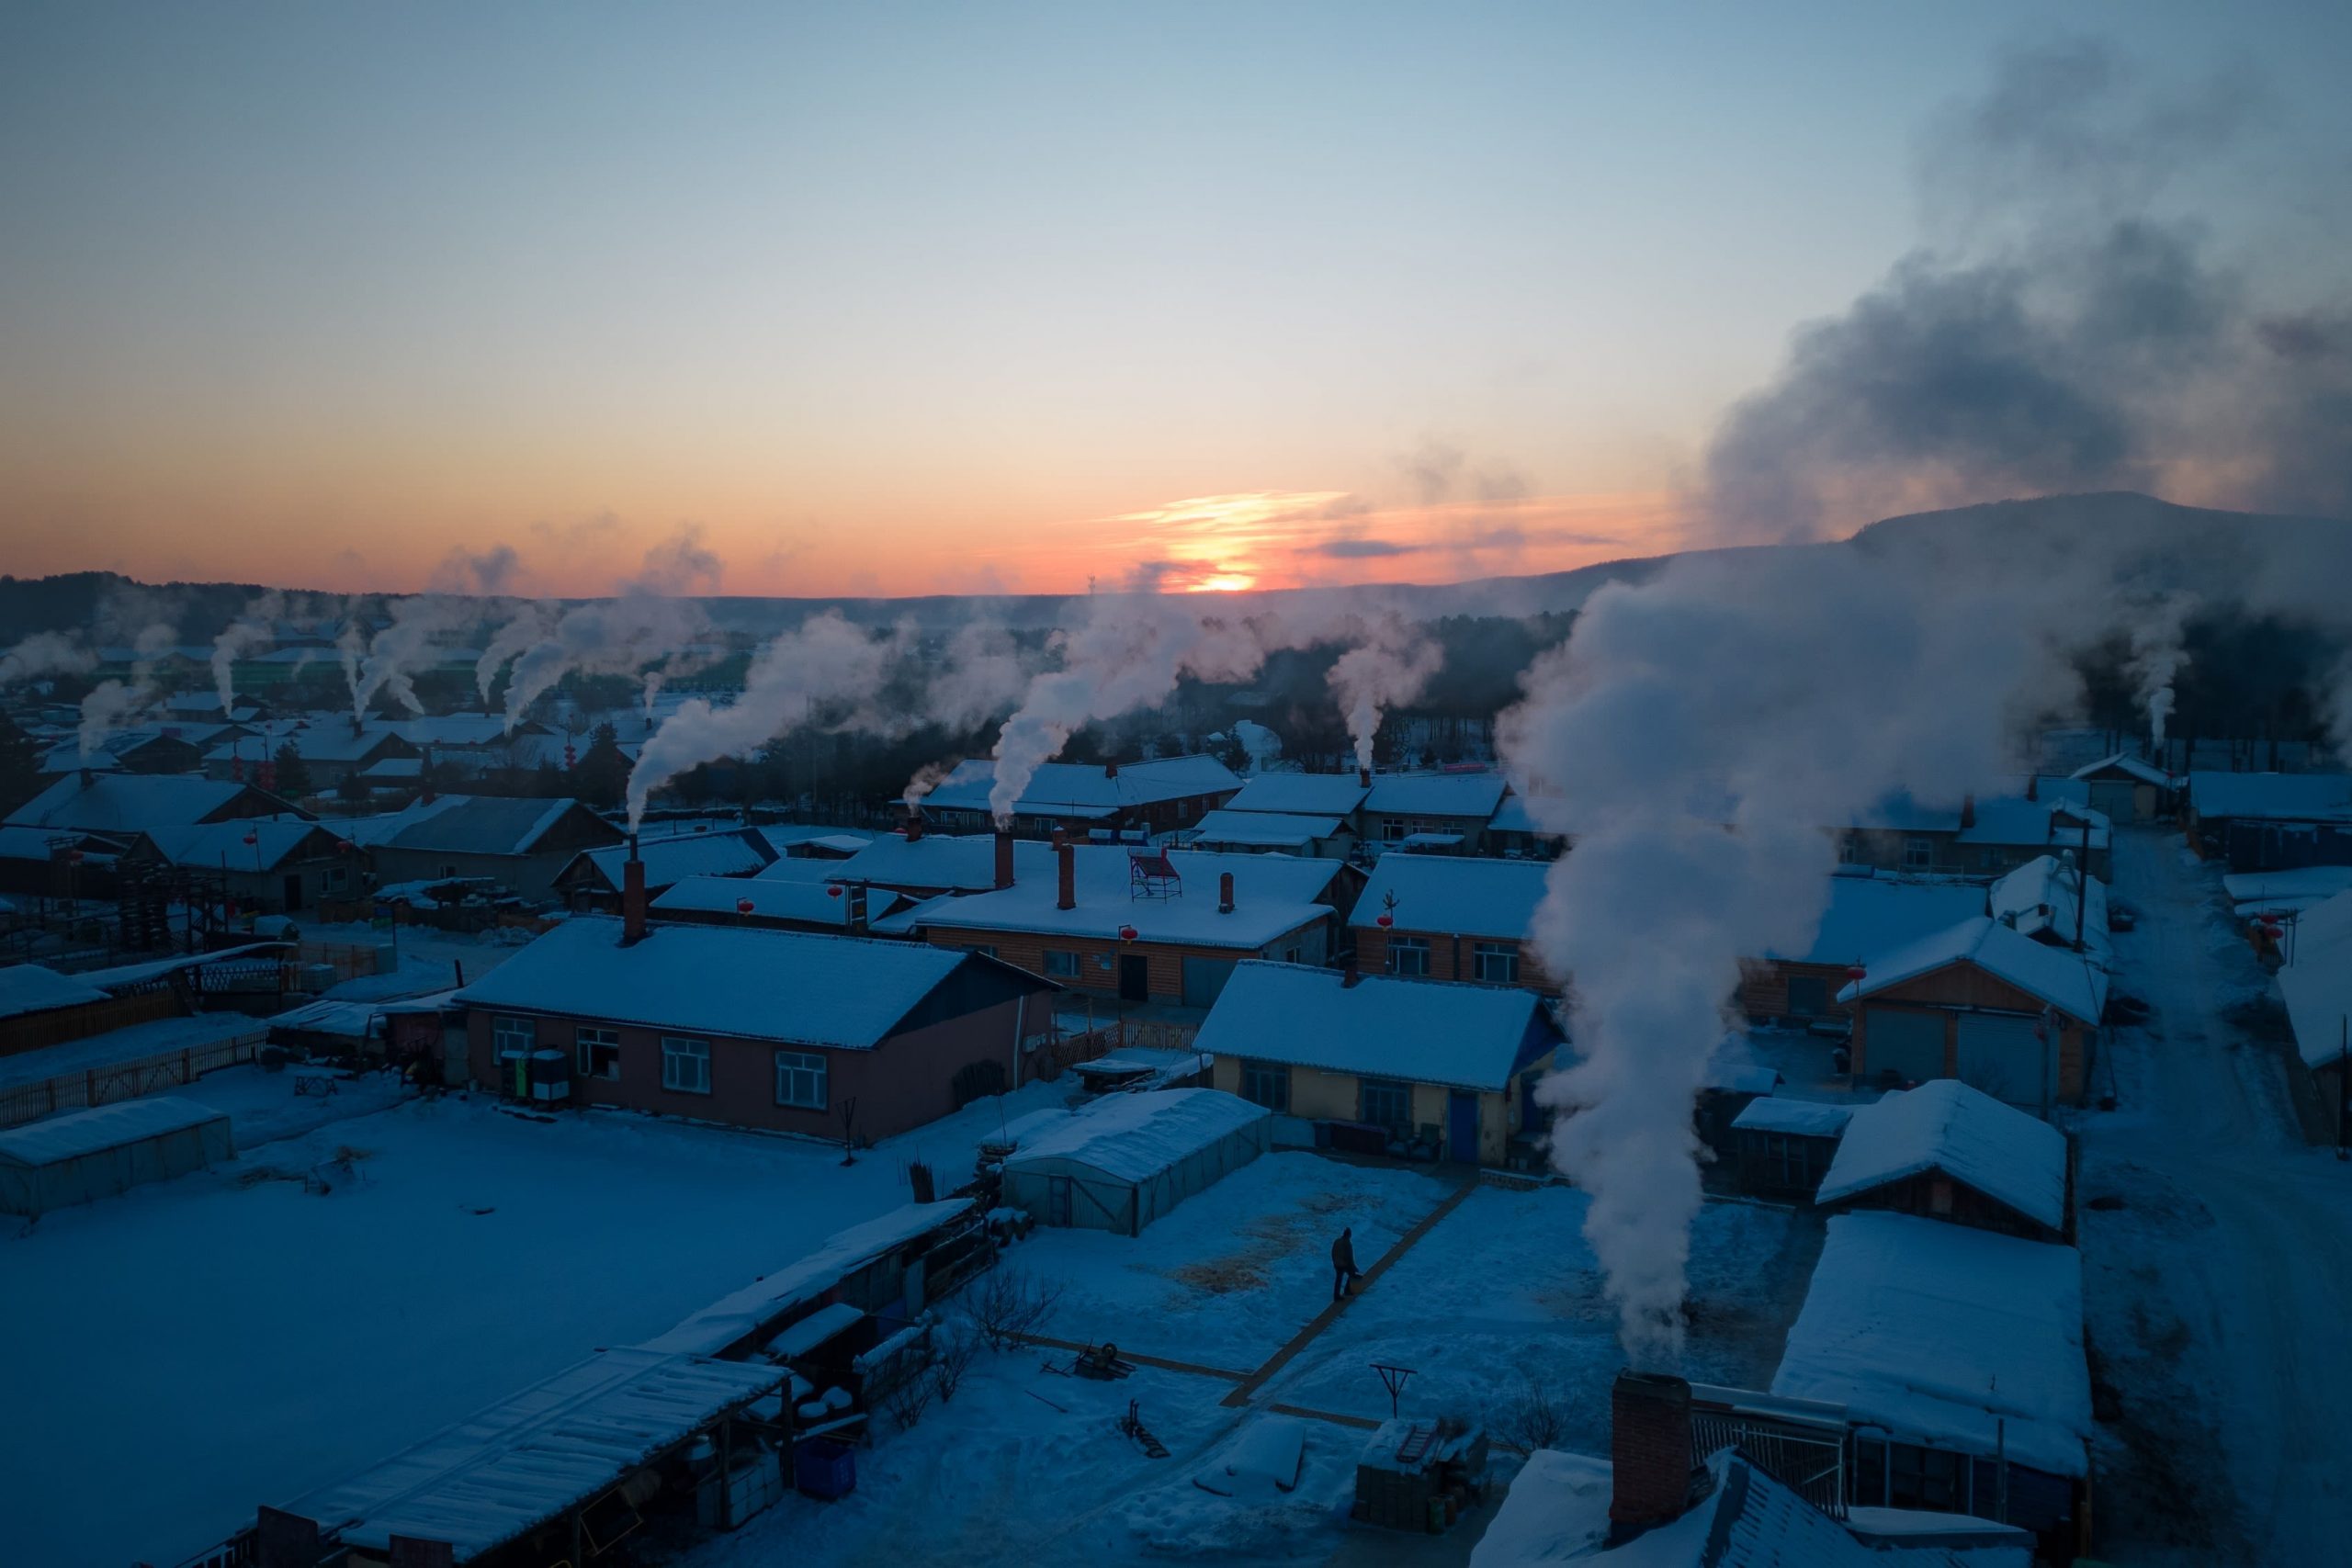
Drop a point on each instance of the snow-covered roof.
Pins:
(1086, 788)
(677, 856)
(100, 1128)
(1460, 895)
(1946, 1125)
(28, 987)
(1272, 829)
(471, 824)
(742, 1313)
(353, 1020)
(2065, 980)
(1436, 795)
(1273, 895)
(2315, 882)
(312, 743)
(122, 975)
(131, 803)
(962, 862)
(1384, 1026)
(1939, 1333)
(1869, 915)
(458, 729)
(1133, 1137)
(2275, 796)
(743, 982)
(2317, 984)
(1803, 1118)
(2013, 819)
(1301, 794)
(35, 843)
(2038, 899)
(811, 903)
(534, 1454)
(216, 845)
(2131, 767)
(1512, 816)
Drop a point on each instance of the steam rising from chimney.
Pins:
(113, 703)
(2158, 654)
(256, 627)
(649, 620)
(1392, 665)
(45, 654)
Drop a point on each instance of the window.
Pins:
(1290, 955)
(449, 871)
(1060, 964)
(1409, 955)
(1387, 1104)
(514, 1036)
(1495, 963)
(686, 1065)
(1849, 849)
(1919, 855)
(1266, 1084)
(800, 1080)
(600, 1052)
(337, 879)
(1392, 829)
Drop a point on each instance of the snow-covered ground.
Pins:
(2217, 1292)
(425, 959)
(184, 1351)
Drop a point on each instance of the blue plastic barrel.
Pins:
(823, 1468)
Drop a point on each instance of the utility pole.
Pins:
(2083, 881)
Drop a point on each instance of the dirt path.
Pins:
(2219, 1290)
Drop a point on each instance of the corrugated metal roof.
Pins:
(1384, 1026)
(102, 1127)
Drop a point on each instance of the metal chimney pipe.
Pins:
(1363, 776)
(632, 897)
(1066, 855)
(1225, 893)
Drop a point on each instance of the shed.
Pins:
(1953, 1153)
(1785, 1146)
(1133, 1157)
(2128, 788)
(88, 1154)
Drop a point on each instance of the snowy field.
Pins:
(1027, 1467)
(184, 1351)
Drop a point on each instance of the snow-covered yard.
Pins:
(230, 1338)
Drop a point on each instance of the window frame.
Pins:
(1506, 953)
(1064, 964)
(1267, 1084)
(584, 1048)
(504, 1027)
(674, 1050)
(811, 1065)
(1919, 855)
(1367, 1088)
(1419, 946)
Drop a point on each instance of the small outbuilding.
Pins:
(1950, 1152)
(88, 1154)
(1783, 1147)
(2128, 788)
(1131, 1157)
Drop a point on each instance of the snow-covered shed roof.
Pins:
(1133, 1137)
(214, 845)
(2039, 898)
(1513, 816)
(1301, 794)
(965, 863)
(1458, 894)
(1946, 1125)
(1269, 829)
(131, 803)
(1384, 1026)
(28, 987)
(2064, 980)
(1436, 795)
(1274, 894)
(2309, 884)
(2137, 768)
(335, 742)
(1869, 915)
(120, 975)
(1939, 1332)
(674, 857)
(1086, 789)
(102, 1127)
(2013, 819)
(2295, 798)
(811, 903)
(472, 824)
(534, 1454)
(740, 1313)
(2317, 984)
(352, 1021)
(744, 982)
(1800, 1118)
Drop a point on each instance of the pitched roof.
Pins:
(964, 862)
(1272, 829)
(811, 903)
(1944, 1335)
(1436, 795)
(129, 803)
(1803, 1118)
(100, 1128)
(1384, 1026)
(470, 824)
(1308, 795)
(2272, 797)
(28, 987)
(1273, 895)
(2039, 898)
(217, 844)
(2063, 979)
(677, 856)
(2013, 819)
(2317, 984)
(750, 982)
(1086, 788)
(1135, 1136)
(1458, 894)
(1869, 915)
(1946, 1125)
(2134, 767)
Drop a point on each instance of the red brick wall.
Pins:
(1452, 957)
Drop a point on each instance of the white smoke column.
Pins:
(419, 624)
(351, 645)
(1698, 736)
(532, 622)
(979, 675)
(654, 680)
(113, 702)
(257, 628)
(928, 777)
(2157, 629)
(650, 619)
(1391, 666)
(825, 662)
(45, 654)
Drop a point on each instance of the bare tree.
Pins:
(1535, 1417)
(952, 1349)
(1007, 1304)
(908, 1400)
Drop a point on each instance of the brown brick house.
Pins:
(1452, 918)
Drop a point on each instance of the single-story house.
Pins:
(125, 805)
(1441, 811)
(1452, 917)
(1950, 1348)
(279, 865)
(2050, 900)
(1156, 797)
(2317, 983)
(593, 880)
(59, 863)
(1870, 912)
(2271, 821)
(840, 909)
(1379, 1052)
(924, 865)
(769, 1029)
(1513, 833)
(1981, 1003)
(1783, 1147)
(146, 749)
(87, 1155)
(331, 750)
(2129, 788)
(1950, 1152)
(523, 843)
(1337, 796)
(1287, 832)
(1129, 1158)
(1978, 837)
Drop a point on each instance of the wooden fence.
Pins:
(56, 1026)
(126, 1080)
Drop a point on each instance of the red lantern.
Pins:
(251, 839)
(833, 890)
(743, 906)
(345, 846)
(570, 756)
(1128, 933)
(74, 857)
(1383, 921)
(1855, 973)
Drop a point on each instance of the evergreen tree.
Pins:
(601, 778)
(293, 773)
(19, 766)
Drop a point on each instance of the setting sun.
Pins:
(1224, 582)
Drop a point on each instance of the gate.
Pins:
(1805, 1455)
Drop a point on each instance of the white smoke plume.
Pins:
(46, 653)
(351, 647)
(404, 649)
(1392, 664)
(113, 703)
(534, 620)
(2157, 629)
(928, 777)
(649, 620)
(256, 627)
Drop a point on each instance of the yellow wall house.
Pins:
(1406, 1054)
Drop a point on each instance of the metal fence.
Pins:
(125, 1080)
(1809, 1460)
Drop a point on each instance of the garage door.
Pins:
(2000, 1054)
(1204, 979)
(2113, 797)
(1908, 1045)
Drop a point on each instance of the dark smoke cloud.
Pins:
(2066, 335)
(1362, 549)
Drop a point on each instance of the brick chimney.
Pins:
(1003, 858)
(1363, 776)
(1650, 1451)
(632, 896)
(1065, 853)
(1111, 769)
(914, 823)
(1225, 893)
(2033, 786)
(1967, 811)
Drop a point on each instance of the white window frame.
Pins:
(587, 1041)
(795, 1068)
(1487, 956)
(513, 1036)
(1267, 1084)
(336, 879)
(1064, 964)
(1417, 947)
(678, 1048)
(1919, 855)
(1366, 1088)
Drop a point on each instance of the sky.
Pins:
(904, 299)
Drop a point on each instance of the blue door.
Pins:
(1462, 1127)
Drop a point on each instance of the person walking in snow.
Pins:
(1343, 1263)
